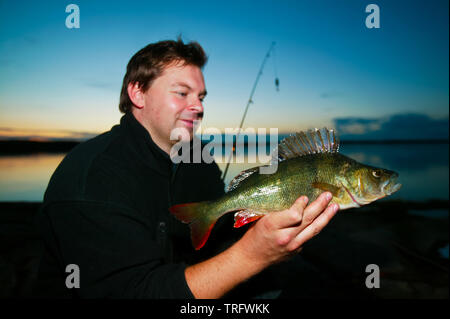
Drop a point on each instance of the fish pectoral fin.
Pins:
(241, 177)
(246, 216)
(327, 188)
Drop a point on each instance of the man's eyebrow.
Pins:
(188, 87)
(182, 84)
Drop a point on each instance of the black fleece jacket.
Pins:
(106, 211)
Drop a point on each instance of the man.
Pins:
(106, 206)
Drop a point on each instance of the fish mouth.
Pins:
(391, 186)
(392, 189)
(351, 196)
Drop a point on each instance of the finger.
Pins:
(315, 209)
(311, 212)
(314, 228)
(291, 216)
(296, 251)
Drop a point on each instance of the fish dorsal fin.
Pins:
(309, 142)
(240, 177)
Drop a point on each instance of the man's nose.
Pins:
(196, 106)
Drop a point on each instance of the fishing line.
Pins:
(250, 101)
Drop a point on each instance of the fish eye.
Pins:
(376, 173)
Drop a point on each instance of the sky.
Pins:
(57, 82)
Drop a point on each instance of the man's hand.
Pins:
(279, 235)
(271, 239)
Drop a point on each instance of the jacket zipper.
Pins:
(163, 232)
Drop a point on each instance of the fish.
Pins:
(309, 163)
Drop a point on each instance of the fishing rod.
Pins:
(250, 101)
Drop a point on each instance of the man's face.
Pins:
(174, 100)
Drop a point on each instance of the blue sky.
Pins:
(330, 65)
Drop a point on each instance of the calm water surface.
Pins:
(423, 170)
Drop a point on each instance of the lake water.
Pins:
(423, 169)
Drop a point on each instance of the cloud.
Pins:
(30, 40)
(330, 95)
(408, 126)
(98, 84)
(357, 126)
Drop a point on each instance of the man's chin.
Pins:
(183, 134)
(187, 138)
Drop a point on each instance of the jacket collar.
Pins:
(141, 141)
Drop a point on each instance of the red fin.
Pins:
(200, 220)
(186, 213)
(244, 217)
(200, 233)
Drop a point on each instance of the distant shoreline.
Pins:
(391, 203)
(12, 147)
(31, 147)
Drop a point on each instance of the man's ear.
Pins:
(136, 95)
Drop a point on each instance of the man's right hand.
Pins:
(279, 235)
(271, 239)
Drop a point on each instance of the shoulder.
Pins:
(95, 156)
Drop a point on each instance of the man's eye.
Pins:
(182, 94)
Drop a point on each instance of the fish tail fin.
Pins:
(200, 219)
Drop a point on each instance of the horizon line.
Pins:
(17, 147)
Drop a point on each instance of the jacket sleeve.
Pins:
(114, 248)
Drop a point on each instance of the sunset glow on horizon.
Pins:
(65, 83)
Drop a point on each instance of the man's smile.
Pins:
(188, 123)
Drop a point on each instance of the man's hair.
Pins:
(149, 63)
